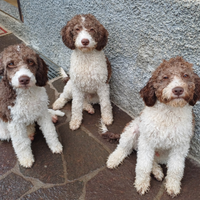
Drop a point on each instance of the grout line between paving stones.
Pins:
(37, 184)
(64, 168)
(34, 181)
(160, 192)
(86, 178)
(96, 139)
(5, 174)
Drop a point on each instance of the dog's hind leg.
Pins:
(64, 97)
(157, 171)
(127, 142)
(88, 107)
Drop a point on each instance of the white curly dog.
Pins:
(90, 70)
(162, 132)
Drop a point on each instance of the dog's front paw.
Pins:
(173, 187)
(57, 148)
(74, 124)
(107, 119)
(115, 159)
(26, 162)
(142, 187)
(58, 104)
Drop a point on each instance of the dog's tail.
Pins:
(106, 134)
(56, 112)
(64, 75)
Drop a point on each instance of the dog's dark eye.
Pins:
(91, 30)
(77, 29)
(11, 64)
(165, 77)
(30, 62)
(185, 76)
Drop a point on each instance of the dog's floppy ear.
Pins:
(67, 36)
(196, 95)
(148, 94)
(41, 74)
(1, 65)
(103, 38)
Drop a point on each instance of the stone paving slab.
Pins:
(118, 183)
(13, 186)
(81, 152)
(7, 157)
(71, 191)
(58, 85)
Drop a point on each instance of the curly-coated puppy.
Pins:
(162, 132)
(24, 101)
(90, 70)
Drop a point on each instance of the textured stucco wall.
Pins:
(142, 34)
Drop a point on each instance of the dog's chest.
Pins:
(165, 127)
(29, 105)
(88, 70)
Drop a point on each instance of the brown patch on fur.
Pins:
(109, 70)
(111, 137)
(100, 34)
(196, 95)
(1, 65)
(148, 93)
(94, 27)
(69, 33)
(41, 73)
(164, 74)
(7, 98)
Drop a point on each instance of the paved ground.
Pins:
(80, 172)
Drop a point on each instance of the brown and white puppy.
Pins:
(90, 70)
(24, 101)
(162, 132)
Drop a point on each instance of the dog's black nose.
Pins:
(85, 41)
(178, 90)
(24, 80)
